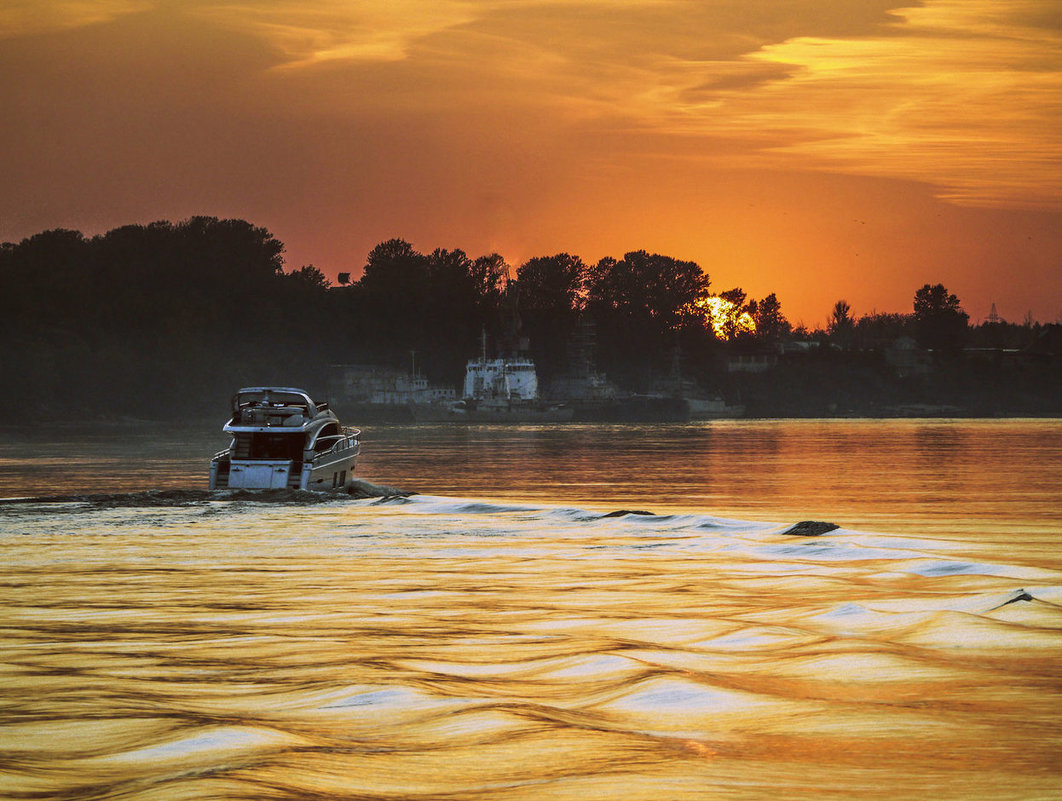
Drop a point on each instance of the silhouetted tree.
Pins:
(550, 301)
(455, 312)
(489, 275)
(1002, 334)
(390, 313)
(393, 263)
(48, 275)
(150, 319)
(309, 276)
(841, 325)
(436, 305)
(648, 286)
(940, 322)
(879, 330)
(771, 325)
(552, 283)
(733, 315)
(639, 303)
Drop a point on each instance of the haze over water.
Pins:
(498, 636)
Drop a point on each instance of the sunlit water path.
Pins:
(499, 636)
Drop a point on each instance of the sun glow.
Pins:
(726, 318)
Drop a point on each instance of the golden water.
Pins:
(523, 646)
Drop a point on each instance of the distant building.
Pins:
(907, 359)
(383, 386)
(757, 362)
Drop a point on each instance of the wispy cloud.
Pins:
(29, 17)
(966, 94)
(961, 94)
(316, 31)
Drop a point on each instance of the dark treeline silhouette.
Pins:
(929, 362)
(436, 305)
(150, 320)
(165, 320)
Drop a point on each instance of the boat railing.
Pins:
(221, 454)
(342, 442)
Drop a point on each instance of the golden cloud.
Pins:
(30, 17)
(963, 95)
(316, 31)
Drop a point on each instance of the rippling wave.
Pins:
(188, 644)
(358, 488)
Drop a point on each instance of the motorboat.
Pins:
(282, 439)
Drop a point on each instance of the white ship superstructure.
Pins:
(501, 379)
(504, 390)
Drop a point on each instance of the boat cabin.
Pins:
(265, 406)
(282, 438)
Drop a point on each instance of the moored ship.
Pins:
(282, 438)
(505, 390)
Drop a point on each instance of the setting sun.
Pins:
(727, 319)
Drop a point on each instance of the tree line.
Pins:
(168, 318)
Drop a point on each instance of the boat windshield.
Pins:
(274, 399)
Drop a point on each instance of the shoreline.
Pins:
(213, 426)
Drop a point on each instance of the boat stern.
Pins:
(261, 474)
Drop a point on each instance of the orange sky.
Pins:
(819, 149)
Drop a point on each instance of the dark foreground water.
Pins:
(499, 636)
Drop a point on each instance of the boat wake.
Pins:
(357, 489)
(212, 644)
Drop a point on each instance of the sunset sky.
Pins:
(819, 149)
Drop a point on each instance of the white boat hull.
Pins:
(259, 475)
(336, 472)
(281, 439)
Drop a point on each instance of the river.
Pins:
(502, 635)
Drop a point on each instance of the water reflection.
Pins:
(454, 648)
(939, 443)
(950, 478)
